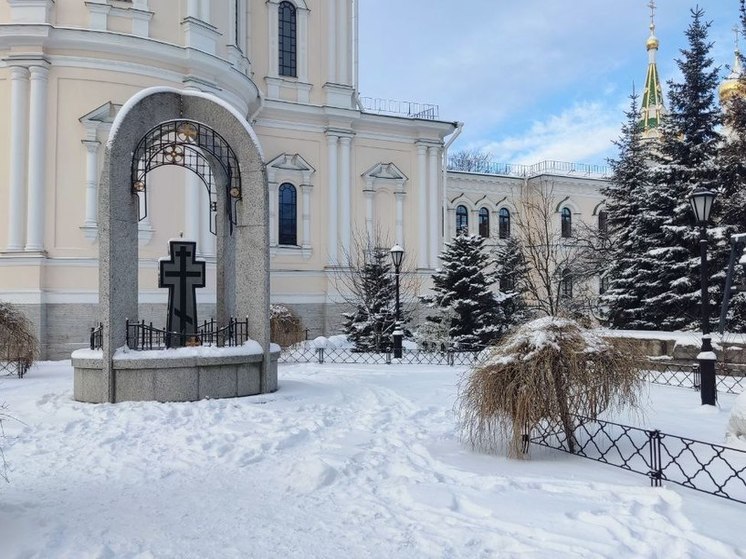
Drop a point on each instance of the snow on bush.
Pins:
(548, 370)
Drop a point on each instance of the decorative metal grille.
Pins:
(706, 467)
(193, 146)
(142, 336)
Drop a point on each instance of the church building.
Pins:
(342, 169)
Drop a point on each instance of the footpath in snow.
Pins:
(343, 461)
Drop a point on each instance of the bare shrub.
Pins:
(18, 343)
(285, 327)
(549, 370)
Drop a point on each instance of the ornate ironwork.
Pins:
(193, 146)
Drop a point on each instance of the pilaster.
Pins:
(37, 160)
(19, 109)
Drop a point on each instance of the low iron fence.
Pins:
(728, 380)
(702, 466)
(13, 367)
(308, 354)
(142, 336)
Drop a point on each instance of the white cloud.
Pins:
(582, 133)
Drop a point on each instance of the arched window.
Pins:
(287, 40)
(462, 220)
(288, 220)
(566, 284)
(484, 223)
(603, 222)
(566, 223)
(504, 223)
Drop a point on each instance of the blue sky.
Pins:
(531, 79)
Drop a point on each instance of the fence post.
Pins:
(320, 351)
(656, 468)
(697, 378)
(127, 332)
(388, 357)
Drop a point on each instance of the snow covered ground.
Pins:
(343, 461)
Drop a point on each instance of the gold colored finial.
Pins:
(652, 42)
(733, 85)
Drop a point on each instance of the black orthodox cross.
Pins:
(182, 274)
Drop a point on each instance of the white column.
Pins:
(343, 46)
(274, 192)
(305, 241)
(331, 33)
(273, 21)
(345, 228)
(192, 184)
(91, 182)
(18, 147)
(400, 217)
(37, 161)
(193, 9)
(204, 11)
(333, 234)
(369, 194)
(301, 44)
(450, 225)
(422, 250)
(434, 205)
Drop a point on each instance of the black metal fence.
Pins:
(142, 336)
(13, 367)
(304, 353)
(728, 379)
(706, 467)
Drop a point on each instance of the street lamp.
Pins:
(701, 201)
(397, 254)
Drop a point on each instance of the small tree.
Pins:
(285, 327)
(549, 371)
(471, 160)
(461, 289)
(371, 325)
(556, 281)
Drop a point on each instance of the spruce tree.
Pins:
(625, 199)
(512, 272)
(461, 289)
(732, 165)
(685, 161)
(371, 326)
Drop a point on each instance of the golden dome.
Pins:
(733, 84)
(730, 88)
(652, 42)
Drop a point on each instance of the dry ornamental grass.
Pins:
(549, 370)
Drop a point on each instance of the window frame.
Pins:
(503, 223)
(484, 222)
(462, 220)
(566, 223)
(287, 68)
(287, 225)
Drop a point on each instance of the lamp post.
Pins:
(701, 202)
(397, 254)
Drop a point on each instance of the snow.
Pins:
(343, 461)
(736, 433)
(707, 355)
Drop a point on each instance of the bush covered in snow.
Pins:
(286, 328)
(18, 343)
(548, 370)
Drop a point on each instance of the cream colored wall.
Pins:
(79, 92)
(166, 22)
(71, 14)
(259, 39)
(4, 11)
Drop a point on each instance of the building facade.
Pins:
(341, 168)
